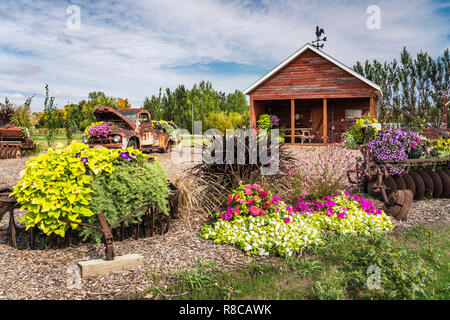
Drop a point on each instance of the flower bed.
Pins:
(78, 182)
(263, 224)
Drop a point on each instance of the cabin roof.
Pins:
(322, 54)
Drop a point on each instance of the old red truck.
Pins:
(133, 129)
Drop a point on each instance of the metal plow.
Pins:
(422, 178)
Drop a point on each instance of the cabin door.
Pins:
(317, 123)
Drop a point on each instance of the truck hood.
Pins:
(104, 113)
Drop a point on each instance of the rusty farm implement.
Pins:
(13, 141)
(420, 178)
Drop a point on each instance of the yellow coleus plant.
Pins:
(56, 185)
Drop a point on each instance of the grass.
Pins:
(41, 141)
(413, 264)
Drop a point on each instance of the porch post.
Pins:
(325, 121)
(252, 113)
(372, 109)
(292, 121)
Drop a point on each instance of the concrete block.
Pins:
(102, 266)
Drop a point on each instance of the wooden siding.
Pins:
(311, 76)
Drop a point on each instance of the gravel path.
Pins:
(42, 274)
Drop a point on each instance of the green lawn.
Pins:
(40, 139)
(413, 265)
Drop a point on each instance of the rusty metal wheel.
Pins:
(397, 199)
(370, 189)
(399, 182)
(389, 182)
(9, 152)
(409, 181)
(437, 183)
(445, 178)
(17, 153)
(3, 152)
(406, 205)
(428, 182)
(420, 185)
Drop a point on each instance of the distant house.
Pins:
(314, 94)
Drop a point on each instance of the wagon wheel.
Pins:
(409, 181)
(162, 222)
(406, 205)
(399, 182)
(437, 183)
(420, 185)
(428, 182)
(445, 178)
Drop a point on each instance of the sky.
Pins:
(131, 48)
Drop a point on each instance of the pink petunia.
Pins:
(263, 194)
(242, 201)
(254, 211)
(236, 198)
(248, 192)
(237, 211)
(250, 202)
(256, 187)
(287, 220)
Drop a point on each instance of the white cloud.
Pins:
(131, 48)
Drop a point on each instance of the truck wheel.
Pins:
(168, 147)
(132, 144)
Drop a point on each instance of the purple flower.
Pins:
(124, 155)
(78, 155)
(150, 159)
(84, 160)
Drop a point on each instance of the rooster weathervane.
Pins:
(319, 33)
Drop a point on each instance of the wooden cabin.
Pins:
(316, 97)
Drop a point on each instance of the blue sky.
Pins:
(130, 48)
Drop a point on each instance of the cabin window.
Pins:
(353, 114)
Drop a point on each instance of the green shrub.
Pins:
(348, 141)
(264, 122)
(332, 286)
(223, 121)
(125, 189)
(362, 130)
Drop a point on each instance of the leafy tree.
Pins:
(415, 84)
(50, 118)
(6, 112)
